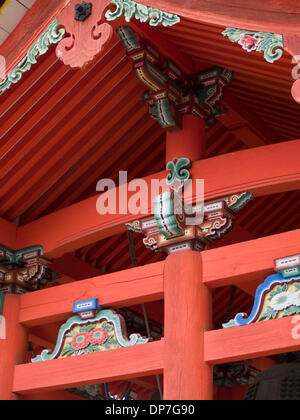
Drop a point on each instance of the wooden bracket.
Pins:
(87, 37)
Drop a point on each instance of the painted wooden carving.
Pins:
(272, 45)
(24, 270)
(235, 374)
(178, 173)
(169, 93)
(269, 44)
(131, 9)
(171, 223)
(218, 220)
(269, 15)
(52, 35)
(83, 11)
(277, 297)
(169, 231)
(87, 34)
(105, 331)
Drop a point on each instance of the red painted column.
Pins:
(13, 348)
(188, 142)
(188, 315)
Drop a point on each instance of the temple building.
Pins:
(149, 200)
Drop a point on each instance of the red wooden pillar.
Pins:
(188, 142)
(13, 347)
(187, 316)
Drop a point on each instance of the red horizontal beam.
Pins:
(124, 288)
(247, 261)
(248, 170)
(107, 366)
(268, 16)
(251, 341)
(242, 263)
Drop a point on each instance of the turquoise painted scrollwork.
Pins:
(179, 171)
(280, 301)
(114, 323)
(131, 9)
(52, 35)
(268, 43)
(165, 217)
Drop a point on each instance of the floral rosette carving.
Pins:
(270, 44)
(80, 341)
(98, 336)
(283, 301)
(88, 339)
(249, 43)
(106, 331)
(277, 297)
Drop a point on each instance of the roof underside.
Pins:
(62, 130)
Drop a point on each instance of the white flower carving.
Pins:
(282, 301)
(296, 298)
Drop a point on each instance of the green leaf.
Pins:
(90, 327)
(279, 289)
(67, 352)
(113, 342)
(270, 313)
(293, 310)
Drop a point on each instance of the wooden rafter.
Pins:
(245, 125)
(274, 16)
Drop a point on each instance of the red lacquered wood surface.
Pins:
(125, 288)
(107, 366)
(278, 16)
(251, 341)
(190, 142)
(187, 317)
(13, 348)
(250, 170)
(249, 261)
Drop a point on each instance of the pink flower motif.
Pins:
(98, 336)
(80, 341)
(249, 43)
